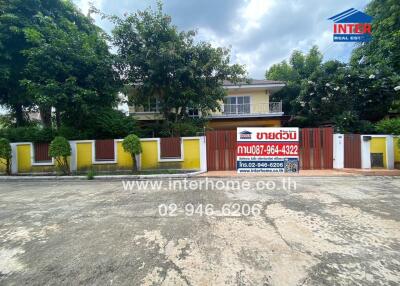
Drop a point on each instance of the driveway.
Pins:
(309, 231)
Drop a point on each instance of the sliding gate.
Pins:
(316, 149)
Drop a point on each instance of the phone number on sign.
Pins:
(260, 164)
(267, 149)
(234, 209)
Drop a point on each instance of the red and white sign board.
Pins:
(268, 149)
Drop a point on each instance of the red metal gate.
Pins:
(352, 151)
(221, 150)
(316, 149)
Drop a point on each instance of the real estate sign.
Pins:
(267, 149)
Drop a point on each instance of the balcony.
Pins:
(249, 110)
(227, 111)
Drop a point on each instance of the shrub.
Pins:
(28, 134)
(131, 144)
(389, 126)
(5, 154)
(349, 122)
(109, 123)
(60, 150)
(187, 127)
(90, 174)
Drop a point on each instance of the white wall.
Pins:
(338, 151)
(365, 153)
(389, 152)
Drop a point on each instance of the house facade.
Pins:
(246, 104)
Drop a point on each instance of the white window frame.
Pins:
(33, 162)
(236, 96)
(94, 161)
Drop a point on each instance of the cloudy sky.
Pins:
(259, 32)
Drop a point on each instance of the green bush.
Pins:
(90, 174)
(72, 133)
(5, 154)
(28, 134)
(131, 144)
(349, 122)
(60, 150)
(188, 127)
(109, 123)
(389, 126)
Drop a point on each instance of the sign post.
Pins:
(268, 149)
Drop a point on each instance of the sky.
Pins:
(258, 32)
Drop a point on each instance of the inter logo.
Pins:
(351, 26)
(245, 135)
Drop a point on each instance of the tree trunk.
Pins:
(8, 167)
(45, 116)
(134, 165)
(67, 171)
(58, 118)
(19, 115)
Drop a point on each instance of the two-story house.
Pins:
(245, 105)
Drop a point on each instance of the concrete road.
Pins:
(309, 231)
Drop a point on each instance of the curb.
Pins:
(100, 177)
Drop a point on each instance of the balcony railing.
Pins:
(246, 109)
(227, 110)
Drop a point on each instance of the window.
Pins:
(237, 104)
(170, 147)
(193, 112)
(104, 150)
(151, 105)
(41, 153)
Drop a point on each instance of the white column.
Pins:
(338, 151)
(203, 153)
(365, 152)
(389, 152)
(138, 161)
(73, 165)
(14, 159)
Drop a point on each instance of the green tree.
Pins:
(346, 95)
(54, 57)
(382, 53)
(15, 15)
(298, 69)
(131, 144)
(384, 48)
(160, 61)
(5, 154)
(60, 150)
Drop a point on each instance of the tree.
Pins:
(382, 53)
(15, 15)
(55, 57)
(131, 144)
(346, 95)
(60, 150)
(163, 63)
(5, 154)
(384, 48)
(298, 69)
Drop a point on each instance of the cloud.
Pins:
(259, 32)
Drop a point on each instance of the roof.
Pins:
(351, 16)
(253, 82)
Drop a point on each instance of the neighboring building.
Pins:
(246, 104)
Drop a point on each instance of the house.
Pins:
(246, 104)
